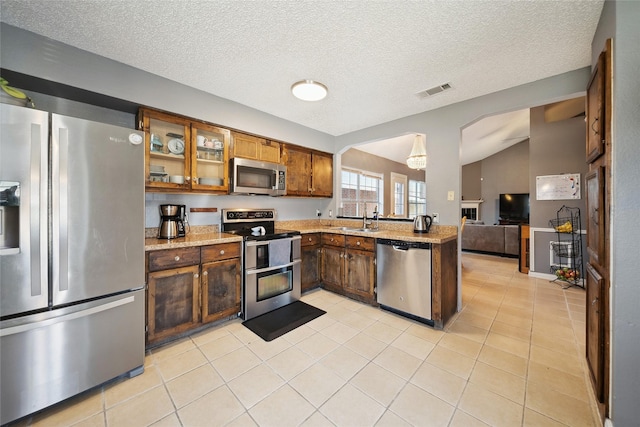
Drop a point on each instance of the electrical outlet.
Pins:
(435, 218)
(318, 212)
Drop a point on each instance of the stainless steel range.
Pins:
(271, 260)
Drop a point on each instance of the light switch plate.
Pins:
(450, 195)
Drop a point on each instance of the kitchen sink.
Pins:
(361, 230)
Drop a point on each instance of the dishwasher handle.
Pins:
(402, 245)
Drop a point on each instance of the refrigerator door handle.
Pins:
(60, 214)
(38, 207)
(65, 318)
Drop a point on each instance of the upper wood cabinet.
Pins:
(184, 155)
(167, 139)
(309, 172)
(595, 113)
(255, 148)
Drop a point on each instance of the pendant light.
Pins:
(418, 157)
(309, 90)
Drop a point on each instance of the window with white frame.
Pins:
(417, 198)
(360, 187)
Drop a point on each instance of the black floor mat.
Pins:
(273, 324)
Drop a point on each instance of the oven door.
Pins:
(266, 289)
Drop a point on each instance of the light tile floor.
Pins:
(512, 357)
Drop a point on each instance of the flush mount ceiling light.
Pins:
(308, 90)
(418, 157)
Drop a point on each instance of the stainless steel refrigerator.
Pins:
(71, 257)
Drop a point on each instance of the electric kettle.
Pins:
(422, 224)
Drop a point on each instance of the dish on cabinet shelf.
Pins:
(210, 181)
(176, 146)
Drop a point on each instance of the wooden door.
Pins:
(322, 175)
(595, 336)
(246, 146)
(221, 289)
(209, 155)
(595, 113)
(167, 150)
(173, 304)
(360, 274)
(595, 215)
(332, 267)
(298, 163)
(269, 151)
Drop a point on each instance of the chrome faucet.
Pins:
(366, 222)
(364, 216)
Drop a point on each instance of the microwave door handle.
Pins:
(274, 180)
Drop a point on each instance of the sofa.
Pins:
(495, 239)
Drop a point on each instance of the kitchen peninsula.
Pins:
(207, 262)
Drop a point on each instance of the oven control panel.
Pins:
(245, 215)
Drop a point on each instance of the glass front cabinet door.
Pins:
(209, 154)
(167, 152)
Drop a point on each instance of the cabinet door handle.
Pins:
(358, 243)
(196, 275)
(222, 252)
(187, 178)
(594, 301)
(177, 258)
(309, 238)
(205, 273)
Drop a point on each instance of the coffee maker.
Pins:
(172, 221)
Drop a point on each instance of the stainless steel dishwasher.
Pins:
(404, 278)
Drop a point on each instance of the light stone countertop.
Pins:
(210, 235)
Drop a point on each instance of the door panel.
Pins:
(595, 338)
(595, 215)
(98, 209)
(23, 159)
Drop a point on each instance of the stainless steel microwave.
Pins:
(256, 177)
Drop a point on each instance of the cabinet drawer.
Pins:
(310, 239)
(221, 251)
(362, 243)
(173, 258)
(332, 239)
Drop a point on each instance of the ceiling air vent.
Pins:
(434, 90)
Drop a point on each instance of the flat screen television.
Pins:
(514, 208)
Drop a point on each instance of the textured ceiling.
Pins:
(373, 55)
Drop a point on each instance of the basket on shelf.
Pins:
(566, 249)
(567, 224)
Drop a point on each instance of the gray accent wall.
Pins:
(619, 21)
(555, 148)
(504, 172)
(472, 181)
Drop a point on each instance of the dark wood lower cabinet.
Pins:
(310, 248)
(184, 297)
(360, 274)
(348, 266)
(595, 333)
(173, 304)
(221, 289)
